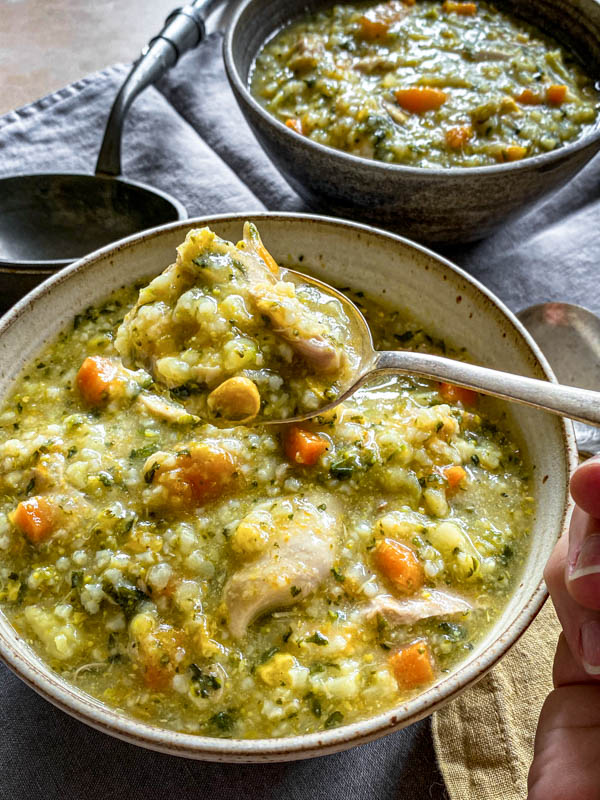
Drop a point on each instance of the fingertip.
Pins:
(585, 486)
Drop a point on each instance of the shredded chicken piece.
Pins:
(410, 610)
(293, 563)
(298, 327)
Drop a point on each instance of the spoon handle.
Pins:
(567, 401)
(183, 30)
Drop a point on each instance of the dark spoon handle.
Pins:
(183, 30)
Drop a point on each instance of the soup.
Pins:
(251, 581)
(425, 84)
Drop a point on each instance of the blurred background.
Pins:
(46, 44)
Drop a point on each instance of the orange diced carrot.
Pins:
(464, 9)
(377, 21)
(302, 446)
(419, 99)
(412, 665)
(207, 470)
(36, 517)
(513, 152)
(268, 259)
(458, 137)
(455, 476)
(159, 652)
(458, 394)
(295, 124)
(556, 94)
(201, 472)
(398, 562)
(95, 378)
(529, 98)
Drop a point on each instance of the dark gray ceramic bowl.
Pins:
(434, 205)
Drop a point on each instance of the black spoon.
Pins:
(49, 220)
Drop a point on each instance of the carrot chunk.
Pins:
(464, 9)
(252, 238)
(529, 98)
(556, 94)
(398, 562)
(95, 378)
(302, 446)
(513, 152)
(458, 137)
(36, 517)
(457, 394)
(198, 473)
(455, 476)
(159, 653)
(377, 21)
(207, 472)
(412, 665)
(295, 124)
(419, 99)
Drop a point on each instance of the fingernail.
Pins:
(590, 646)
(588, 560)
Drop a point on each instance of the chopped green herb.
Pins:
(143, 452)
(125, 595)
(149, 475)
(315, 704)
(318, 638)
(268, 654)
(76, 580)
(203, 682)
(106, 478)
(223, 721)
(340, 578)
(333, 720)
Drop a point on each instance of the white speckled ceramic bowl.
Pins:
(448, 302)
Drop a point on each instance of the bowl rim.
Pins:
(588, 138)
(31, 668)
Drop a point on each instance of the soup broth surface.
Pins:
(426, 83)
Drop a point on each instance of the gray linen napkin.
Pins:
(187, 137)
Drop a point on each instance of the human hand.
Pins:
(566, 762)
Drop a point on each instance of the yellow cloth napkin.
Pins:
(484, 738)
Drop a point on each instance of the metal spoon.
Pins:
(569, 337)
(566, 401)
(49, 220)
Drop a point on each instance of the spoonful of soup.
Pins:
(229, 336)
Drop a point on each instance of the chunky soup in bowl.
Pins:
(426, 84)
(250, 580)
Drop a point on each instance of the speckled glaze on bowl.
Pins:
(457, 204)
(391, 269)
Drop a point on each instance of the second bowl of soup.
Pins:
(440, 119)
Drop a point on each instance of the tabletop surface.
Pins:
(87, 35)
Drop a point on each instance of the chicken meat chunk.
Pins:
(410, 610)
(289, 546)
